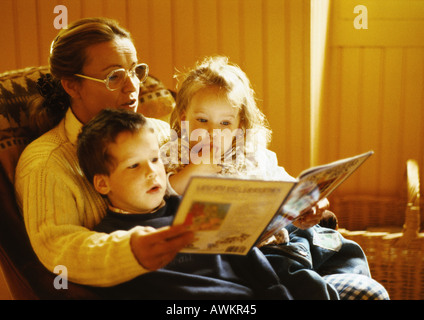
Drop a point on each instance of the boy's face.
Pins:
(137, 183)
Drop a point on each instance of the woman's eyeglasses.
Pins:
(116, 78)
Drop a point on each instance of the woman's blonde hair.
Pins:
(232, 81)
(68, 55)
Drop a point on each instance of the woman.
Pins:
(94, 65)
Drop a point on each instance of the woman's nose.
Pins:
(131, 84)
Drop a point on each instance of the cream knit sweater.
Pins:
(60, 207)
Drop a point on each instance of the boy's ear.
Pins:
(101, 183)
(71, 87)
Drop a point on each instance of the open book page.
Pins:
(228, 215)
(314, 184)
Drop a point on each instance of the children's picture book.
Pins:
(231, 215)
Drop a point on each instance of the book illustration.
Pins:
(206, 215)
(228, 215)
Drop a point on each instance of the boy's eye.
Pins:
(202, 120)
(133, 166)
(225, 123)
(154, 160)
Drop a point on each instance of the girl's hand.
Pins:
(180, 180)
(313, 216)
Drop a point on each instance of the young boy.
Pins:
(119, 154)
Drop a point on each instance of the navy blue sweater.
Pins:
(194, 276)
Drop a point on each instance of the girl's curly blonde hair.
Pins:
(232, 81)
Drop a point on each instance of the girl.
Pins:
(216, 105)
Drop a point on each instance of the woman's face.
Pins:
(89, 97)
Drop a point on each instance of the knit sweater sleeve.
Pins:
(60, 207)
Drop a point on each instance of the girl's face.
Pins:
(89, 97)
(210, 111)
(137, 183)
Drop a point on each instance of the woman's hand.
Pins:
(313, 216)
(155, 248)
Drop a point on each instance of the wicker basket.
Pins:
(389, 232)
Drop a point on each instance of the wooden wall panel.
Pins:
(286, 80)
(276, 86)
(269, 39)
(9, 56)
(373, 93)
(206, 30)
(26, 35)
(297, 82)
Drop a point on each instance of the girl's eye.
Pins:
(225, 123)
(133, 166)
(154, 160)
(202, 120)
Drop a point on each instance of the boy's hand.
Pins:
(155, 248)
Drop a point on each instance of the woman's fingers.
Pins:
(156, 249)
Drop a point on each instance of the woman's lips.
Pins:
(131, 104)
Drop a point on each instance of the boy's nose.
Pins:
(150, 170)
(151, 174)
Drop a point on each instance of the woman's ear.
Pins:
(101, 184)
(71, 87)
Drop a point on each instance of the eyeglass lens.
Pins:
(117, 77)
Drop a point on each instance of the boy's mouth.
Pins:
(155, 189)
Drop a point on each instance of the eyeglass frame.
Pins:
(106, 80)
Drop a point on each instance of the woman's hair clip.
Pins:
(46, 86)
(55, 97)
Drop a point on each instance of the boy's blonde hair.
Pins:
(232, 81)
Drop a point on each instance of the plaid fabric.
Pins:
(357, 287)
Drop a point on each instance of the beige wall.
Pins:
(269, 39)
(373, 92)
